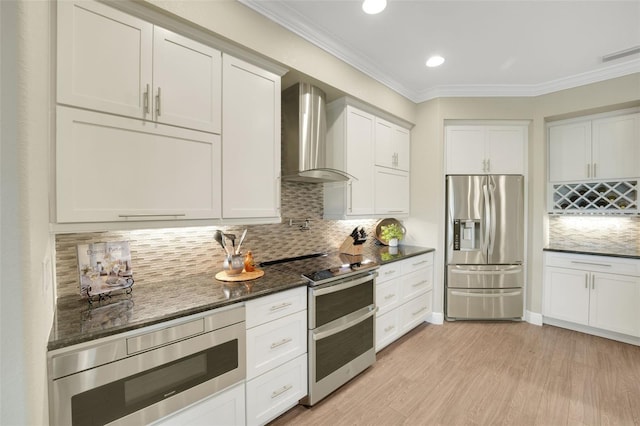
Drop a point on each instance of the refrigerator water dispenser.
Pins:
(466, 234)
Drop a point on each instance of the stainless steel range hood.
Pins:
(304, 130)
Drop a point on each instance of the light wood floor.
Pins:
(469, 373)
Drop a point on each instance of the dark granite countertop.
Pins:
(76, 321)
(629, 253)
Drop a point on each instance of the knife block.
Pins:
(348, 247)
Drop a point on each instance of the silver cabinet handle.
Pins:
(158, 103)
(593, 282)
(420, 263)
(280, 306)
(588, 170)
(388, 329)
(420, 283)
(150, 215)
(586, 280)
(595, 174)
(488, 165)
(389, 296)
(281, 342)
(591, 263)
(392, 271)
(280, 391)
(146, 101)
(419, 311)
(350, 196)
(484, 165)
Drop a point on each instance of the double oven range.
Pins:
(341, 317)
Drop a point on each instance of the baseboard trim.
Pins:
(436, 318)
(632, 340)
(533, 318)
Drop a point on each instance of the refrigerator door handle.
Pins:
(492, 232)
(487, 219)
(505, 271)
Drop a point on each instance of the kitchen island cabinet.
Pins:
(113, 62)
(597, 292)
(251, 141)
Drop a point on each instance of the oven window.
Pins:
(339, 349)
(117, 399)
(332, 306)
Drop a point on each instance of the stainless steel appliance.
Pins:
(485, 247)
(341, 306)
(142, 376)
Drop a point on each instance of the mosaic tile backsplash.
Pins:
(158, 255)
(601, 233)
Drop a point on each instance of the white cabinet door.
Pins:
(274, 392)
(251, 155)
(402, 144)
(505, 149)
(415, 312)
(112, 168)
(391, 191)
(388, 294)
(360, 159)
(387, 328)
(384, 133)
(616, 147)
(570, 152)
(566, 294)
(187, 82)
(615, 303)
(226, 408)
(465, 150)
(103, 58)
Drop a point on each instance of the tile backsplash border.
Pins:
(160, 254)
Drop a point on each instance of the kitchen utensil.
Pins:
(236, 264)
(244, 234)
(232, 237)
(218, 236)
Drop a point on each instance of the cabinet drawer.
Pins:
(418, 262)
(415, 283)
(275, 343)
(389, 271)
(387, 328)
(388, 295)
(415, 312)
(278, 305)
(608, 264)
(274, 392)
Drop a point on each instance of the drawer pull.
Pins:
(419, 311)
(281, 342)
(389, 296)
(591, 263)
(420, 283)
(393, 271)
(277, 393)
(421, 263)
(280, 306)
(388, 329)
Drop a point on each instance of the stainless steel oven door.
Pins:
(339, 351)
(150, 385)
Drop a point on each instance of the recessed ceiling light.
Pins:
(373, 6)
(435, 61)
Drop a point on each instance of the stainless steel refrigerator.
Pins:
(485, 247)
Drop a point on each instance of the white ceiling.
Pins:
(492, 48)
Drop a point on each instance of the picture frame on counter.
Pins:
(103, 268)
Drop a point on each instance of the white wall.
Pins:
(27, 308)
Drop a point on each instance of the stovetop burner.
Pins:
(320, 268)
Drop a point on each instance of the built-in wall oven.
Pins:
(142, 376)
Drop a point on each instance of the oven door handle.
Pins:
(319, 335)
(342, 286)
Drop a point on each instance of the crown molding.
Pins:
(298, 24)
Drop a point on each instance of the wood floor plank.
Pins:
(488, 373)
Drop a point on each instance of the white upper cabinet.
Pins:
(595, 149)
(391, 192)
(104, 58)
(186, 82)
(251, 139)
(112, 62)
(485, 149)
(392, 144)
(111, 168)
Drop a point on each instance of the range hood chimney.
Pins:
(304, 130)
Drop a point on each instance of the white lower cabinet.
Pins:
(276, 354)
(403, 296)
(224, 408)
(601, 293)
(276, 391)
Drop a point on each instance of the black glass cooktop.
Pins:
(320, 268)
